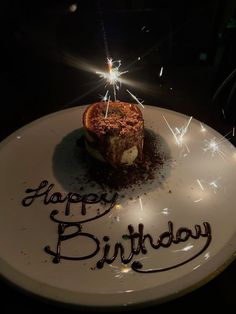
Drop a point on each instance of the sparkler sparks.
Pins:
(105, 97)
(161, 72)
(203, 129)
(120, 272)
(213, 184)
(213, 145)
(107, 107)
(113, 76)
(135, 98)
(179, 132)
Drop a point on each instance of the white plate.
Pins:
(198, 185)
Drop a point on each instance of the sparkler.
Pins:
(113, 76)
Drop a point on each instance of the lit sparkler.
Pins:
(200, 184)
(113, 76)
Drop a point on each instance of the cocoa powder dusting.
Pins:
(122, 119)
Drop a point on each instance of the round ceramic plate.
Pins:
(154, 241)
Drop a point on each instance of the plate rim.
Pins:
(188, 289)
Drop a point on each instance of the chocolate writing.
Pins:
(44, 191)
(133, 243)
(137, 244)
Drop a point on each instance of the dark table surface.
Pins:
(51, 50)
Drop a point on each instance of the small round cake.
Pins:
(114, 134)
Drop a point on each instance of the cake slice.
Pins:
(116, 138)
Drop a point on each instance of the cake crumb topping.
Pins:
(122, 119)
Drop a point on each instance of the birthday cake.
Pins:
(114, 132)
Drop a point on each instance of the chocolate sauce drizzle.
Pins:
(61, 237)
(44, 189)
(182, 235)
(137, 239)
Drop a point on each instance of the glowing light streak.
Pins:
(185, 249)
(184, 130)
(203, 129)
(200, 184)
(165, 211)
(141, 204)
(172, 131)
(197, 266)
(214, 185)
(105, 97)
(107, 107)
(223, 112)
(197, 201)
(179, 132)
(135, 98)
(161, 72)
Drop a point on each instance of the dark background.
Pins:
(194, 42)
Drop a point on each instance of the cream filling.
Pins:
(129, 155)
